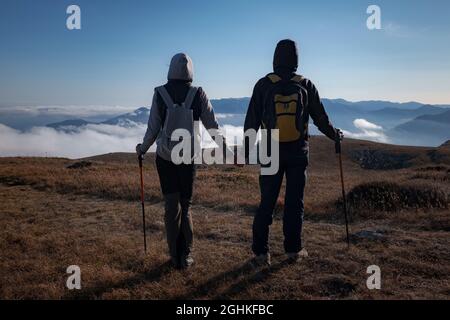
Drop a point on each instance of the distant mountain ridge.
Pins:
(240, 105)
(424, 129)
(231, 105)
(441, 117)
(403, 123)
(69, 123)
(138, 116)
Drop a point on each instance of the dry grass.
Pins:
(53, 217)
(393, 197)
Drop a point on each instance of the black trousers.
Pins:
(293, 164)
(177, 185)
(175, 178)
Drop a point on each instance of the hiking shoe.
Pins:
(296, 256)
(262, 260)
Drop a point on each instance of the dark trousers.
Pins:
(177, 185)
(293, 164)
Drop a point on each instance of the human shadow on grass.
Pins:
(216, 281)
(259, 276)
(250, 274)
(96, 292)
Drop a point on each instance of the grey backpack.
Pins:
(178, 116)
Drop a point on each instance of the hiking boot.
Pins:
(297, 256)
(174, 262)
(262, 260)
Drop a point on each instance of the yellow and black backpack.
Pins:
(284, 107)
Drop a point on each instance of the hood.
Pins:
(286, 55)
(181, 68)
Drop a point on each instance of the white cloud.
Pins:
(89, 140)
(396, 30)
(224, 115)
(366, 125)
(95, 139)
(86, 141)
(232, 134)
(367, 131)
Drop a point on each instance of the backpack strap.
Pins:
(297, 78)
(165, 96)
(190, 97)
(274, 78)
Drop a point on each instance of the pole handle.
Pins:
(337, 146)
(337, 141)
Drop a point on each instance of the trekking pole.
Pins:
(141, 157)
(338, 151)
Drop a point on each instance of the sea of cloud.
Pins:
(89, 140)
(95, 139)
(86, 141)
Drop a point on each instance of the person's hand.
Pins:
(139, 150)
(337, 142)
(339, 135)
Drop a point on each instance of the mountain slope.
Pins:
(52, 214)
(391, 117)
(139, 116)
(408, 113)
(129, 119)
(440, 118)
(69, 123)
(425, 129)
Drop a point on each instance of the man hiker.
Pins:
(284, 100)
(177, 105)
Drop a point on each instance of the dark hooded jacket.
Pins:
(285, 64)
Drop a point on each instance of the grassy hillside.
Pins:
(55, 214)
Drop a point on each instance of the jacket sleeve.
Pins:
(209, 119)
(154, 125)
(253, 119)
(318, 113)
(254, 113)
(207, 115)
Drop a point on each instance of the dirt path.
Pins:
(45, 232)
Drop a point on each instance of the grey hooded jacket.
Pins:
(180, 78)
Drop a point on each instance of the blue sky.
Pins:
(124, 48)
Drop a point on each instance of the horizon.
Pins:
(444, 105)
